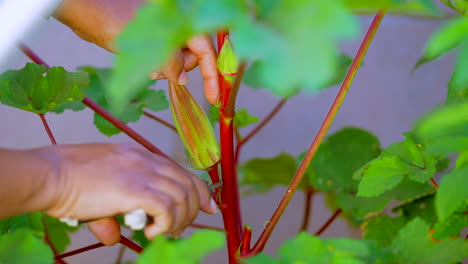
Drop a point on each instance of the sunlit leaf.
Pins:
(453, 190)
(25, 248)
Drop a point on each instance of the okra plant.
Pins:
(410, 198)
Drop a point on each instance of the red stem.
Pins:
(320, 135)
(163, 122)
(47, 128)
(246, 240)
(130, 245)
(328, 223)
(124, 127)
(309, 194)
(259, 127)
(230, 207)
(200, 226)
(434, 183)
(78, 251)
(28, 52)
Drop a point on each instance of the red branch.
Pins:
(47, 128)
(157, 119)
(328, 223)
(130, 245)
(200, 226)
(320, 135)
(308, 195)
(78, 251)
(28, 52)
(246, 240)
(259, 127)
(124, 127)
(434, 183)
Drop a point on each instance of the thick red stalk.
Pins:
(230, 207)
(308, 195)
(261, 125)
(320, 135)
(328, 222)
(246, 240)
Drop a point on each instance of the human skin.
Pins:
(100, 22)
(99, 181)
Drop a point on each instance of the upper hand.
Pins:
(101, 21)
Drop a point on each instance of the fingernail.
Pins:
(183, 78)
(156, 76)
(214, 207)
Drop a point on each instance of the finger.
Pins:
(106, 230)
(207, 204)
(174, 70)
(157, 76)
(181, 197)
(156, 204)
(202, 47)
(190, 60)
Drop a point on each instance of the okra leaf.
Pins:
(422, 208)
(453, 191)
(414, 245)
(192, 250)
(445, 39)
(262, 174)
(382, 228)
(24, 247)
(58, 232)
(452, 225)
(39, 90)
(145, 98)
(340, 156)
(458, 85)
(262, 259)
(410, 7)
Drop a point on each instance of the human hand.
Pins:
(99, 181)
(101, 21)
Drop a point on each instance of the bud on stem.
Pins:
(227, 61)
(193, 127)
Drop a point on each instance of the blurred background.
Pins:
(385, 99)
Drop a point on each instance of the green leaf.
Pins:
(243, 118)
(453, 190)
(139, 236)
(413, 245)
(58, 232)
(261, 259)
(445, 39)
(145, 98)
(22, 247)
(462, 160)
(304, 248)
(447, 121)
(182, 251)
(32, 222)
(422, 208)
(285, 56)
(39, 90)
(264, 174)
(382, 228)
(382, 175)
(412, 6)
(458, 84)
(158, 29)
(408, 151)
(453, 225)
(448, 145)
(340, 156)
(461, 6)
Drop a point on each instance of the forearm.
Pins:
(26, 177)
(97, 21)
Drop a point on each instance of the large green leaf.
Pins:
(453, 191)
(447, 121)
(305, 248)
(145, 98)
(445, 39)
(31, 222)
(286, 55)
(264, 174)
(458, 84)
(452, 225)
(58, 232)
(411, 6)
(413, 245)
(182, 251)
(158, 29)
(22, 247)
(39, 90)
(340, 156)
(382, 228)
